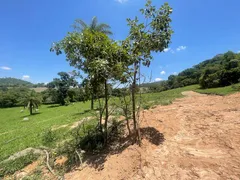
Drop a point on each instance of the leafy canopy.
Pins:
(152, 35)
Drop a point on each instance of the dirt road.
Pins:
(196, 137)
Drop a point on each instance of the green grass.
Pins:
(221, 90)
(165, 97)
(16, 134)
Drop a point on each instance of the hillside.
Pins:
(221, 70)
(13, 82)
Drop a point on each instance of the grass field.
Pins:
(221, 90)
(17, 134)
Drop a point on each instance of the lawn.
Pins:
(220, 90)
(17, 134)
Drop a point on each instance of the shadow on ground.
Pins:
(36, 113)
(152, 135)
(53, 106)
(83, 112)
(97, 160)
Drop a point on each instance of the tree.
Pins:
(80, 26)
(99, 57)
(62, 86)
(152, 36)
(32, 101)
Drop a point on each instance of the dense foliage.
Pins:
(221, 70)
(10, 97)
(59, 87)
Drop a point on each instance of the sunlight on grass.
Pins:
(220, 90)
(17, 134)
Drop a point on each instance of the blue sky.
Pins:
(203, 28)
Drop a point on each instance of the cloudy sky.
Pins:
(203, 28)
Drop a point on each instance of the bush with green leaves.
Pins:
(89, 138)
(48, 137)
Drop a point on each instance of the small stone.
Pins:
(25, 119)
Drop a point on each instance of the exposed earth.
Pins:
(196, 137)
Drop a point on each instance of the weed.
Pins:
(48, 137)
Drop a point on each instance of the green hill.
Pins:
(14, 82)
(222, 70)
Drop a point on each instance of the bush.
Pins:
(84, 137)
(89, 138)
(48, 137)
(236, 87)
(146, 106)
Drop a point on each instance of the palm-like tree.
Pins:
(80, 25)
(32, 101)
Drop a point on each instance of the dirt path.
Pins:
(196, 137)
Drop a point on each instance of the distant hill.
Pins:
(221, 70)
(14, 82)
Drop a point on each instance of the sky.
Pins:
(202, 29)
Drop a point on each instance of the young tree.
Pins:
(97, 56)
(153, 35)
(32, 101)
(80, 26)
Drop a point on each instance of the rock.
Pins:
(25, 119)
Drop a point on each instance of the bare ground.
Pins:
(196, 137)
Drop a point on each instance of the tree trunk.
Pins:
(100, 114)
(136, 130)
(133, 97)
(92, 101)
(30, 107)
(106, 111)
(128, 126)
(125, 109)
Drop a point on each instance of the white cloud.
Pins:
(238, 52)
(121, 1)
(25, 77)
(180, 48)
(169, 50)
(162, 72)
(6, 68)
(166, 49)
(158, 79)
(174, 73)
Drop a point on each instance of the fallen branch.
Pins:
(49, 167)
(79, 156)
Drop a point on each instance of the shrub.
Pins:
(48, 137)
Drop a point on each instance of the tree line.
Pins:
(221, 70)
